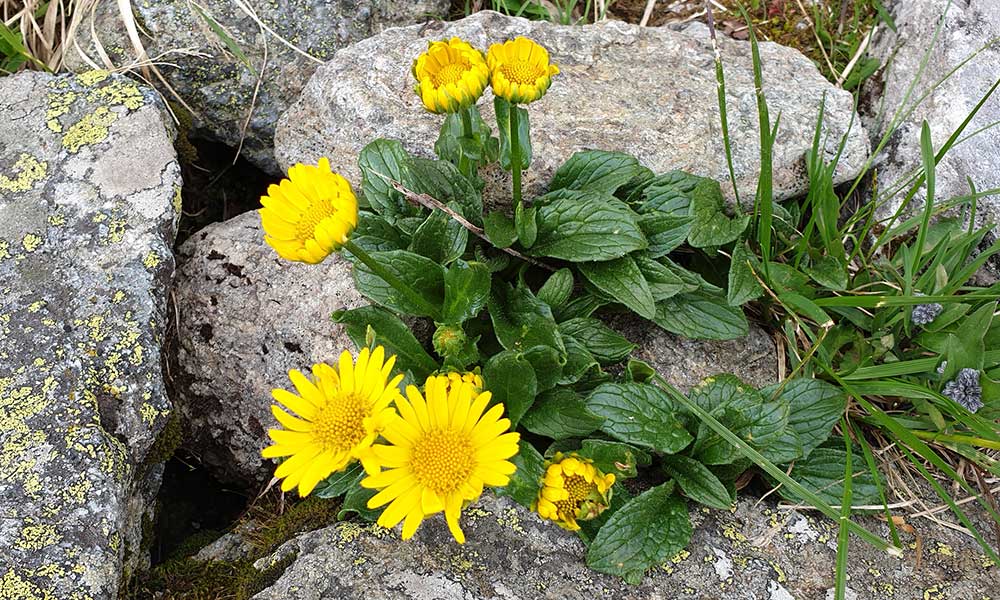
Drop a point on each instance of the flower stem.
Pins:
(412, 296)
(515, 155)
(955, 439)
(465, 165)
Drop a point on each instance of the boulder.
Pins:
(221, 87)
(247, 317)
(754, 552)
(967, 26)
(86, 229)
(650, 92)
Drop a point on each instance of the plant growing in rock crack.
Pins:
(604, 445)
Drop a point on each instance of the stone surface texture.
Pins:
(246, 318)
(754, 552)
(86, 229)
(650, 92)
(968, 25)
(219, 86)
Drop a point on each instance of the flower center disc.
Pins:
(340, 425)
(313, 216)
(442, 460)
(450, 73)
(521, 72)
(579, 490)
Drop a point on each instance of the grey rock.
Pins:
(684, 363)
(246, 318)
(650, 92)
(967, 26)
(754, 552)
(233, 546)
(215, 83)
(86, 229)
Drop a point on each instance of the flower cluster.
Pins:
(965, 390)
(442, 445)
(573, 490)
(451, 75)
(926, 313)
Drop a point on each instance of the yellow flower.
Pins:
(310, 214)
(339, 417)
(450, 76)
(519, 70)
(573, 490)
(443, 451)
(471, 377)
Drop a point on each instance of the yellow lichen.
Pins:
(59, 104)
(119, 93)
(28, 171)
(151, 260)
(4, 249)
(148, 413)
(36, 306)
(57, 220)
(90, 129)
(116, 231)
(89, 78)
(36, 537)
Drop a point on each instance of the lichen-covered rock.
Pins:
(86, 228)
(246, 318)
(215, 82)
(967, 26)
(754, 552)
(650, 92)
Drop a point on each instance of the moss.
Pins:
(186, 151)
(167, 442)
(181, 576)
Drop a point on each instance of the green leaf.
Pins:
(813, 409)
(520, 320)
(639, 414)
(512, 381)
(664, 232)
(526, 224)
(822, 472)
(702, 316)
(621, 459)
(548, 364)
(557, 289)
(663, 282)
(743, 286)
(587, 226)
(500, 229)
(828, 272)
(648, 530)
(581, 305)
(527, 479)
(669, 193)
(386, 157)
(466, 289)
(605, 344)
(340, 482)
(440, 238)
(443, 181)
(711, 225)
(745, 411)
(807, 308)
(579, 362)
(502, 109)
(425, 276)
(697, 482)
(596, 170)
(622, 280)
(374, 234)
(560, 413)
(356, 501)
(620, 496)
(392, 334)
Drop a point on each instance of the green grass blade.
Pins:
(843, 533)
(226, 39)
(764, 209)
(877, 478)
